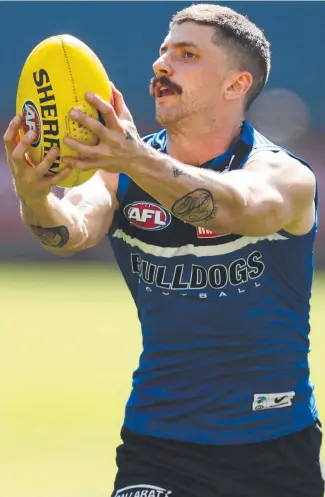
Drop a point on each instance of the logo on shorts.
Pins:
(142, 491)
(264, 401)
(147, 216)
(31, 120)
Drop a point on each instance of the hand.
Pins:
(30, 182)
(119, 143)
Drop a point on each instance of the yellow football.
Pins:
(54, 79)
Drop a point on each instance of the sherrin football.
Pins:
(54, 79)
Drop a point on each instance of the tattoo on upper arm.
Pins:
(56, 236)
(178, 172)
(195, 206)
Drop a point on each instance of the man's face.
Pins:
(191, 74)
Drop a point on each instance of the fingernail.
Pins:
(16, 119)
(74, 113)
(90, 95)
(65, 160)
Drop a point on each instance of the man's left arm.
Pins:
(272, 192)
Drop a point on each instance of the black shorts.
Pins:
(285, 467)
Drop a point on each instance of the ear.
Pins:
(238, 86)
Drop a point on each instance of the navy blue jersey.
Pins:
(224, 318)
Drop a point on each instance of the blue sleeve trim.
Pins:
(124, 179)
(123, 184)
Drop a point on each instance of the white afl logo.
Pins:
(31, 121)
(147, 216)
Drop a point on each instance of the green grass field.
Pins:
(69, 342)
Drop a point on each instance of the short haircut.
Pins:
(245, 42)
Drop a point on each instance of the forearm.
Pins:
(198, 196)
(56, 223)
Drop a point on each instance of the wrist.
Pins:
(32, 202)
(144, 161)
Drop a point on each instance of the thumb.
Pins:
(119, 105)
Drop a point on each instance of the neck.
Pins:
(195, 144)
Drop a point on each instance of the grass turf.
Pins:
(69, 342)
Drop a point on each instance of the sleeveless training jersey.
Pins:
(225, 319)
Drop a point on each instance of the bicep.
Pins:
(96, 201)
(277, 193)
(265, 209)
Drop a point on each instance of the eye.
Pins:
(189, 55)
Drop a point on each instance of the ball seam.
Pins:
(74, 92)
(69, 69)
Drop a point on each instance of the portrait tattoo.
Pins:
(57, 236)
(195, 206)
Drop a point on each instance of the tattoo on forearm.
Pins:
(195, 206)
(178, 172)
(56, 236)
(128, 135)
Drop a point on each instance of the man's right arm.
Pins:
(77, 221)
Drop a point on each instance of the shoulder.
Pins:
(282, 167)
(289, 178)
(269, 155)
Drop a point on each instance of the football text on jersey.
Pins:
(216, 277)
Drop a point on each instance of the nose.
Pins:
(162, 67)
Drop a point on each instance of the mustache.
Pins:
(162, 80)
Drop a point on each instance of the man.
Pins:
(213, 227)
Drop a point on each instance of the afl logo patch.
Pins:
(147, 216)
(31, 121)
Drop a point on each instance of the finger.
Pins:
(84, 164)
(88, 122)
(18, 154)
(53, 179)
(112, 101)
(106, 109)
(10, 136)
(120, 106)
(47, 162)
(84, 150)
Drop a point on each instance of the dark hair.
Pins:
(246, 42)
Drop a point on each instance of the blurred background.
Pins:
(69, 338)
(126, 36)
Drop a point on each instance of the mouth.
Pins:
(162, 87)
(163, 91)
